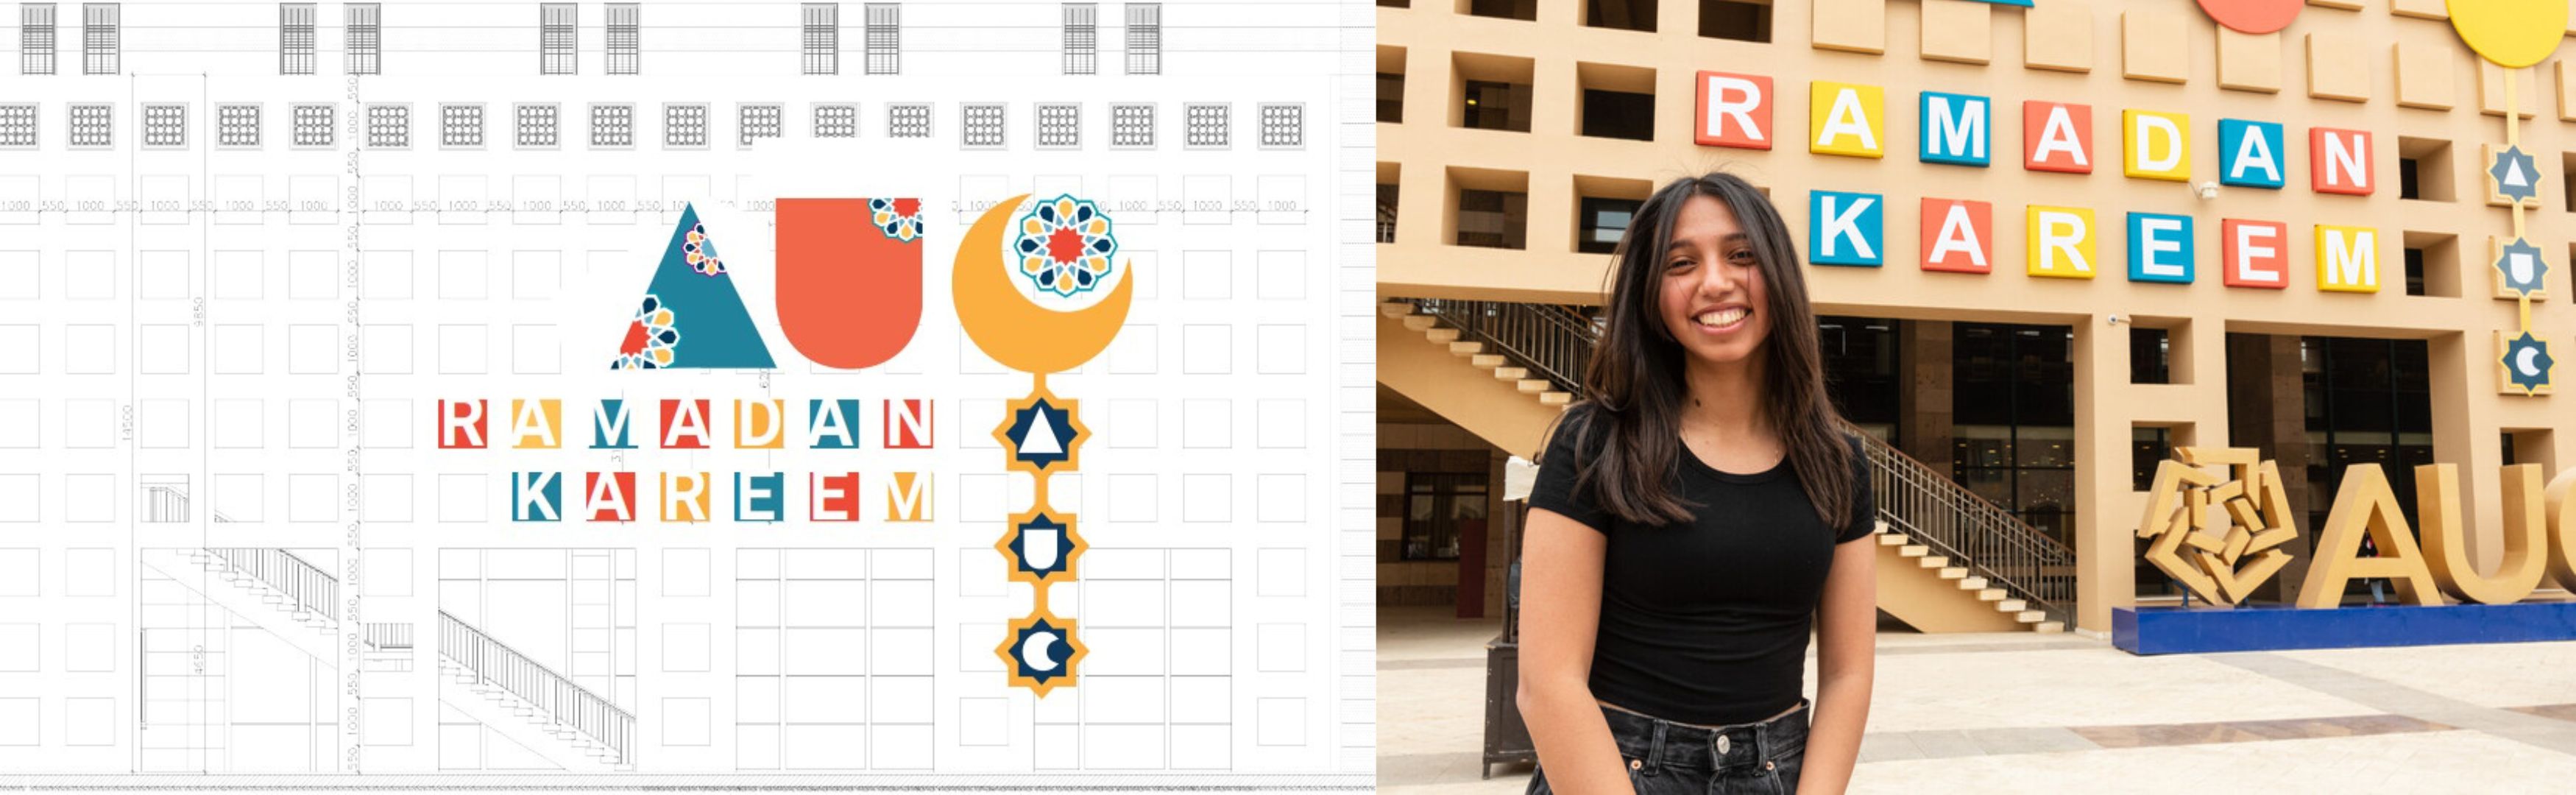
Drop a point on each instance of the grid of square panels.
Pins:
(834, 659)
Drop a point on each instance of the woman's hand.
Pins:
(1560, 612)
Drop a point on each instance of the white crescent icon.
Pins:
(1033, 652)
(2523, 361)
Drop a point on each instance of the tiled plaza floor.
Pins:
(2022, 712)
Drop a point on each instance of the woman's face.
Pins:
(1712, 298)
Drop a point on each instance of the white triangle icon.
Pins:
(2513, 174)
(1041, 439)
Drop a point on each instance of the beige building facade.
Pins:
(2142, 287)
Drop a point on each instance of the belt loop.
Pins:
(1655, 749)
(1762, 742)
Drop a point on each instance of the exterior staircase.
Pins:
(1949, 561)
(532, 705)
(273, 588)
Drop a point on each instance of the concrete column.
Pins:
(1925, 403)
(2267, 410)
(2105, 538)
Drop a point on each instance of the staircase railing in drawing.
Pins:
(556, 698)
(307, 587)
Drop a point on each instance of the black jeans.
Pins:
(1668, 758)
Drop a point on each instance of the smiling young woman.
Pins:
(1697, 514)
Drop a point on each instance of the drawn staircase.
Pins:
(273, 588)
(569, 725)
(1949, 561)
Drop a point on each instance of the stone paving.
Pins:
(2024, 712)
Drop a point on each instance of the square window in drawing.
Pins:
(539, 126)
(93, 126)
(684, 125)
(612, 126)
(1205, 125)
(316, 126)
(836, 120)
(1131, 126)
(908, 120)
(1059, 125)
(165, 126)
(983, 125)
(1283, 126)
(237, 126)
(460, 126)
(18, 125)
(388, 126)
(757, 121)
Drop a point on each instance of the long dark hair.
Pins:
(1634, 386)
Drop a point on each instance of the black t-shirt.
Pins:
(1705, 622)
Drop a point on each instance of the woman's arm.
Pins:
(1846, 642)
(1560, 611)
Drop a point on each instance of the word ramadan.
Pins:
(830, 424)
(1958, 235)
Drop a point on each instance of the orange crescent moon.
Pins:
(1006, 325)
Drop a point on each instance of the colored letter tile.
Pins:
(2339, 161)
(2250, 154)
(2056, 136)
(1845, 228)
(1734, 110)
(1957, 128)
(2155, 145)
(2060, 242)
(1845, 119)
(1956, 236)
(2347, 259)
(2253, 254)
(2160, 248)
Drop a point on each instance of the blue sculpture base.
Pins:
(2171, 630)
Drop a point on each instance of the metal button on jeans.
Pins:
(1721, 744)
(1634, 764)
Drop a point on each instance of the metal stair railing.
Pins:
(306, 586)
(558, 700)
(1935, 511)
(384, 636)
(1554, 341)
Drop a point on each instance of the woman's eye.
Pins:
(1678, 264)
(1740, 256)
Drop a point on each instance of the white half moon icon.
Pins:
(1033, 652)
(2521, 265)
(1039, 548)
(2523, 361)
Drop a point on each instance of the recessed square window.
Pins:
(1206, 125)
(836, 120)
(388, 126)
(237, 126)
(539, 126)
(316, 126)
(1500, 9)
(1494, 91)
(1739, 20)
(684, 125)
(18, 125)
(983, 125)
(460, 126)
(93, 126)
(754, 121)
(2424, 169)
(1283, 126)
(612, 126)
(908, 120)
(1620, 14)
(1131, 126)
(1059, 125)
